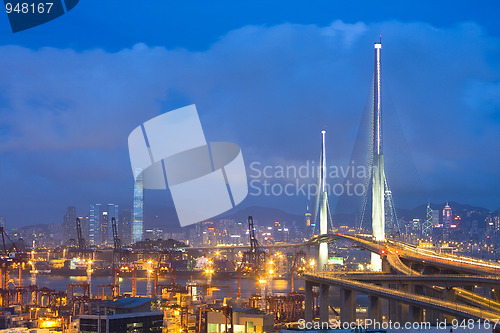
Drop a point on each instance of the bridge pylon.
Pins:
(378, 174)
(321, 205)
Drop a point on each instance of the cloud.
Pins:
(271, 89)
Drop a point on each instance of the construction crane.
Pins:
(166, 262)
(10, 257)
(298, 266)
(117, 244)
(256, 255)
(253, 259)
(82, 246)
(11, 250)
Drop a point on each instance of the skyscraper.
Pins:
(125, 226)
(100, 231)
(112, 212)
(105, 228)
(69, 224)
(95, 224)
(447, 217)
(137, 224)
(435, 218)
(309, 225)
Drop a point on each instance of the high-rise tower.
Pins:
(95, 221)
(447, 217)
(427, 227)
(112, 212)
(309, 225)
(137, 223)
(69, 225)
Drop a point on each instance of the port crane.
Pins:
(298, 266)
(117, 244)
(82, 245)
(166, 263)
(10, 257)
(253, 259)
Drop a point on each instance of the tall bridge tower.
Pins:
(378, 174)
(324, 211)
(321, 206)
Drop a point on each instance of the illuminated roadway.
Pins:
(442, 279)
(393, 251)
(447, 307)
(424, 256)
(453, 262)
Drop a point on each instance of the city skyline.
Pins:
(126, 127)
(66, 115)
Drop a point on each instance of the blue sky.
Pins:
(268, 75)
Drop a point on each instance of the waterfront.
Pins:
(227, 287)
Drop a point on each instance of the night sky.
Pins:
(267, 75)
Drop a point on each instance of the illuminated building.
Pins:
(69, 224)
(95, 224)
(125, 226)
(112, 212)
(310, 226)
(131, 314)
(417, 226)
(447, 217)
(100, 231)
(105, 228)
(137, 223)
(435, 217)
(244, 320)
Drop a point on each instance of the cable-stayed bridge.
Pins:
(407, 283)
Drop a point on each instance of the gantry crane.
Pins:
(82, 245)
(298, 266)
(166, 262)
(253, 259)
(117, 245)
(256, 256)
(10, 256)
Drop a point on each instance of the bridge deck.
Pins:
(451, 308)
(449, 280)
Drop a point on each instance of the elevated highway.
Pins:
(443, 280)
(418, 302)
(452, 263)
(423, 257)
(394, 252)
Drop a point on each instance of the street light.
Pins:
(313, 265)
